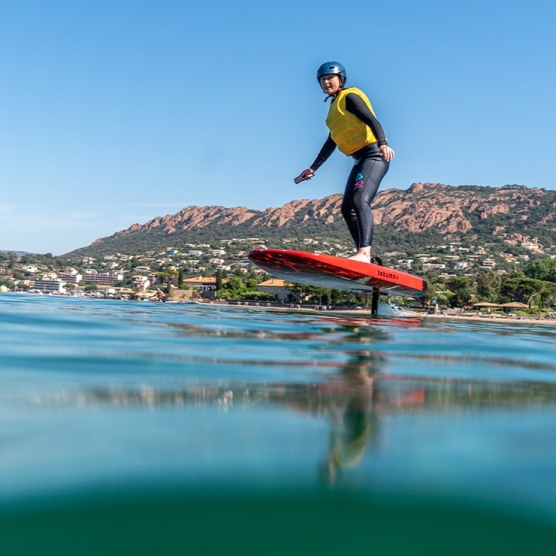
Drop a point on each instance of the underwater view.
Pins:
(143, 428)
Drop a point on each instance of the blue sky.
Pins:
(114, 112)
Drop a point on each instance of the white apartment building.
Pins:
(488, 263)
(70, 277)
(140, 281)
(31, 269)
(104, 278)
(433, 266)
(49, 286)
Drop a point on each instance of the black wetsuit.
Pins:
(365, 177)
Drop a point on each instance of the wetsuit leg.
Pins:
(361, 188)
(348, 210)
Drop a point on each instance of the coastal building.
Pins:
(140, 281)
(49, 286)
(433, 266)
(103, 277)
(70, 277)
(204, 283)
(404, 264)
(533, 245)
(106, 289)
(31, 269)
(142, 269)
(88, 260)
(275, 287)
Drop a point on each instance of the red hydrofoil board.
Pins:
(327, 271)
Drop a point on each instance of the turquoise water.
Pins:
(120, 417)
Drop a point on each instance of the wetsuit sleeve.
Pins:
(327, 149)
(356, 105)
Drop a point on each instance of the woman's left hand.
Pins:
(387, 153)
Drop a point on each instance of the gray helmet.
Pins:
(332, 68)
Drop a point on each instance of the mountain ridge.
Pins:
(425, 210)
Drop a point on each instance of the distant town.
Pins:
(458, 273)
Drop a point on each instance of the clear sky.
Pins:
(114, 112)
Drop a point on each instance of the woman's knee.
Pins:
(347, 211)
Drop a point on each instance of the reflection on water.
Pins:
(353, 402)
(211, 399)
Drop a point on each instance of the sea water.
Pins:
(143, 428)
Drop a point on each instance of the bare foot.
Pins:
(361, 258)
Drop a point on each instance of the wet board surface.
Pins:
(335, 272)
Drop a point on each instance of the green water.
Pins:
(137, 428)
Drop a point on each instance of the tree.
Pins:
(167, 277)
(180, 278)
(233, 288)
(218, 285)
(517, 287)
(90, 287)
(541, 269)
(462, 290)
(488, 286)
(315, 294)
(548, 295)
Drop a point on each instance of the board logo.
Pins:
(389, 275)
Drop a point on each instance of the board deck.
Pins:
(338, 273)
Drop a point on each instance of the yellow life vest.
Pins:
(348, 132)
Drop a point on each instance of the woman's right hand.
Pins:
(307, 174)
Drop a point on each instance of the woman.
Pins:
(356, 132)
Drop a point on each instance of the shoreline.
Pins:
(364, 313)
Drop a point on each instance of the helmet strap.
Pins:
(334, 95)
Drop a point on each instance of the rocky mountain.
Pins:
(426, 212)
